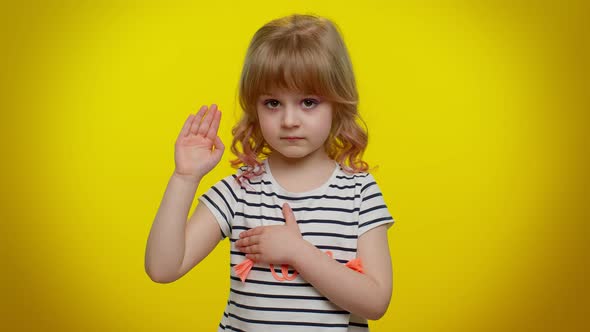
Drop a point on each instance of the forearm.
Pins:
(166, 241)
(355, 292)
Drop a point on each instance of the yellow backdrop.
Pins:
(476, 114)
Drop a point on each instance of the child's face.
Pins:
(293, 124)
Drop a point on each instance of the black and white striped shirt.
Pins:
(331, 217)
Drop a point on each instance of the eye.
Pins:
(271, 103)
(310, 103)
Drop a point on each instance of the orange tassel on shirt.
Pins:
(353, 264)
(356, 265)
(243, 269)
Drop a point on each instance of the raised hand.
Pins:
(198, 149)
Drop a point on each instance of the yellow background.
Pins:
(477, 117)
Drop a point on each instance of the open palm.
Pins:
(198, 148)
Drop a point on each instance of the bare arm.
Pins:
(174, 245)
(366, 295)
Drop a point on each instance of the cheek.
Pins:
(325, 124)
(265, 125)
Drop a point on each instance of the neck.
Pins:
(312, 163)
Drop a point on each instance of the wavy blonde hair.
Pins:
(303, 53)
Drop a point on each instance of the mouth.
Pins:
(292, 138)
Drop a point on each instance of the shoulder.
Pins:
(365, 184)
(353, 183)
(231, 181)
(245, 176)
(357, 178)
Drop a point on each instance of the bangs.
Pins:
(300, 70)
(290, 65)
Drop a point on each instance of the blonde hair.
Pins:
(303, 53)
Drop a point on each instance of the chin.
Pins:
(292, 155)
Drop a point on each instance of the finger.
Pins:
(248, 241)
(197, 120)
(254, 249)
(254, 257)
(206, 123)
(219, 144)
(254, 231)
(187, 126)
(219, 147)
(214, 125)
(289, 216)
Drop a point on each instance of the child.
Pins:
(309, 207)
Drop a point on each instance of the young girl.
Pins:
(307, 223)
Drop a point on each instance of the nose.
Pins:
(290, 117)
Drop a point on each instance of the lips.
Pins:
(291, 139)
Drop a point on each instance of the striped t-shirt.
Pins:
(331, 217)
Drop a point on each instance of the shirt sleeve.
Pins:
(221, 199)
(373, 211)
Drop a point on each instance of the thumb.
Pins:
(218, 144)
(289, 216)
(219, 147)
